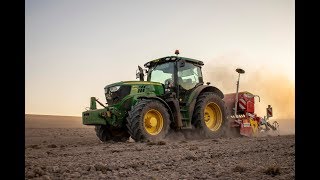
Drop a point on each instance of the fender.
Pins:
(194, 95)
(161, 100)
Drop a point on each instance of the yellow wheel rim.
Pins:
(213, 116)
(153, 122)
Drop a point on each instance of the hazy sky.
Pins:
(74, 48)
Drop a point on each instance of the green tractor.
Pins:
(172, 97)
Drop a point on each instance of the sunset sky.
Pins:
(74, 48)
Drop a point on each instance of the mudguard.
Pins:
(194, 95)
(161, 100)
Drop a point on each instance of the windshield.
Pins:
(189, 75)
(162, 72)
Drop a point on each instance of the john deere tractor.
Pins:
(173, 96)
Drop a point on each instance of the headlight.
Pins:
(114, 88)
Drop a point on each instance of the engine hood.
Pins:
(119, 91)
(133, 83)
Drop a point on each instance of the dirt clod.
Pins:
(151, 143)
(46, 177)
(34, 146)
(161, 143)
(38, 171)
(52, 146)
(191, 156)
(101, 167)
(272, 170)
(30, 174)
(239, 169)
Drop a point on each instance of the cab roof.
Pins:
(171, 59)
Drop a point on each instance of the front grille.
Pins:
(115, 97)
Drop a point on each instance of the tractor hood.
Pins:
(133, 83)
(116, 92)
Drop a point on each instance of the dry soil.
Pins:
(59, 150)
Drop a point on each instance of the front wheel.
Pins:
(148, 120)
(209, 116)
(105, 133)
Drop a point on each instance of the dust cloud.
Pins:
(274, 89)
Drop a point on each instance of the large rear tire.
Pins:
(148, 120)
(209, 116)
(104, 133)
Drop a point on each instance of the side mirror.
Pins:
(140, 74)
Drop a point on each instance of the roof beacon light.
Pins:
(177, 52)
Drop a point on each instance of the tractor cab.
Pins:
(178, 74)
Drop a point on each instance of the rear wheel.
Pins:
(105, 133)
(148, 120)
(209, 115)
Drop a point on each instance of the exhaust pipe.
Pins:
(93, 104)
